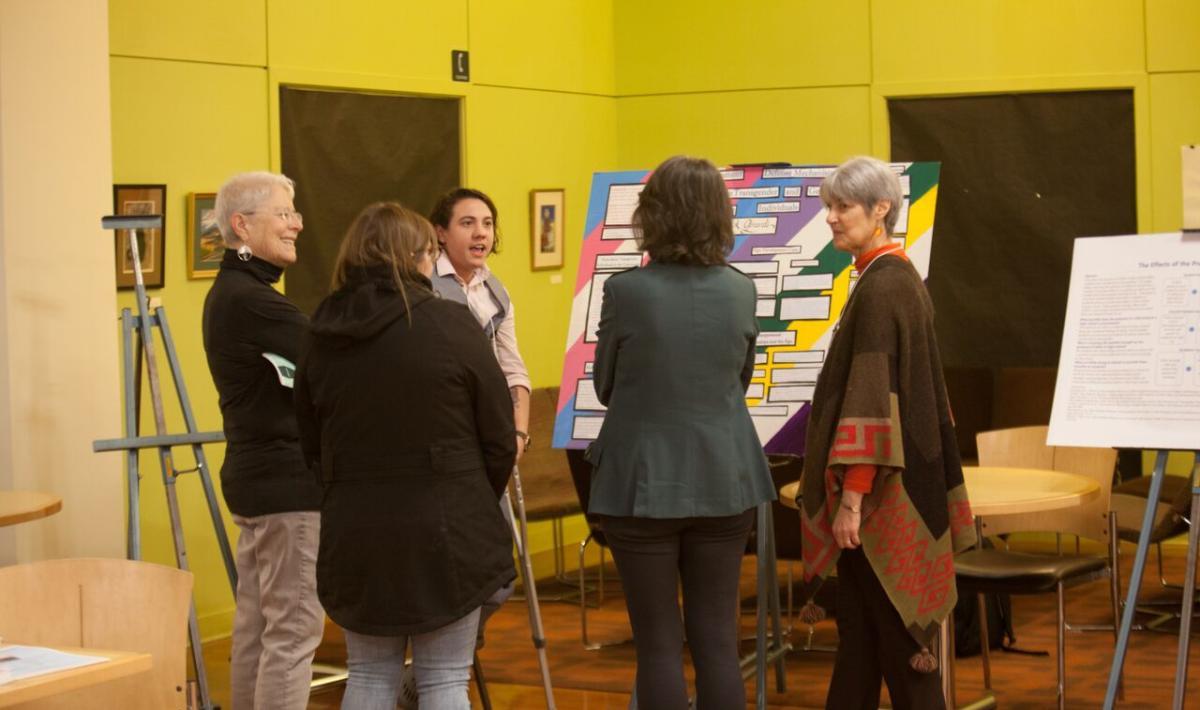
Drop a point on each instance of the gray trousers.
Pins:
(278, 622)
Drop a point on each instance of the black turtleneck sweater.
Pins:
(244, 317)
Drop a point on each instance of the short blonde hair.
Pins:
(244, 193)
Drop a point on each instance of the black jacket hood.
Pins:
(366, 304)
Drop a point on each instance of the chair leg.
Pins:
(583, 627)
(1062, 648)
(985, 650)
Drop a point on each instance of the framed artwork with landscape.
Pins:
(546, 217)
(204, 246)
(140, 200)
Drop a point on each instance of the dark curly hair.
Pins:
(683, 213)
(443, 210)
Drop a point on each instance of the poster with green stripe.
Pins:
(782, 243)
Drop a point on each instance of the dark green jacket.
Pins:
(674, 357)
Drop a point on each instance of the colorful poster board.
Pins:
(1129, 369)
(781, 242)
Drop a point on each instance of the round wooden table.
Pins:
(22, 506)
(996, 490)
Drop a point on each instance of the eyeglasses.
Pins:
(285, 215)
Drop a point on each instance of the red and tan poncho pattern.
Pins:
(881, 400)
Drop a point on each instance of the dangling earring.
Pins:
(877, 232)
(244, 252)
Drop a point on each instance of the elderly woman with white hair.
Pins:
(884, 498)
(251, 335)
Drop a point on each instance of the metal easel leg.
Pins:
(1189, 591)
(782, 644)
(768, 609)
(131, 350)
(1135, 581)
(210, 493)
(520, 532)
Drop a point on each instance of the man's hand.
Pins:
(521, 444)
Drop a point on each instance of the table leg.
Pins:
(946, 659)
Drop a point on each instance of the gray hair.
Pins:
(244, 193)
(865, 181)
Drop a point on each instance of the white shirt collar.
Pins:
(445, 268)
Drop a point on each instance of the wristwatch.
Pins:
(526, 438)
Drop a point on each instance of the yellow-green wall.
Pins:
(561, 89)
(195, 99)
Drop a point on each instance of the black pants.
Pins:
(874, 645)
(653, 557)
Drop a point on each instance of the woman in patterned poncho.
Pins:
(883, 488)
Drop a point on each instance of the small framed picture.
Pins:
(546, 217)
(204, 246)
(140, 199)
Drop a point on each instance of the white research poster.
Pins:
(1129, 370)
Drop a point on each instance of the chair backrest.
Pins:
(1025, 447)
(110, 604)
(545, 473)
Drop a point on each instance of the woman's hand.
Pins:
(848, 520)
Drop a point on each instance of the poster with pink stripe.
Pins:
(782, 243)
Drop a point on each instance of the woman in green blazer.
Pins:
(678, 465)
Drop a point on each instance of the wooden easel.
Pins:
(137, 346)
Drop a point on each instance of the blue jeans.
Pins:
(441, 663)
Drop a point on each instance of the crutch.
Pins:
(520, 534)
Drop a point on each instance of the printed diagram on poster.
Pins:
(140, 200)
(546, 219)
(204, 244)
(781, 242)
(1129, 369)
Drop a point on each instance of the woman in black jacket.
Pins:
(252, 333)
(405, 413)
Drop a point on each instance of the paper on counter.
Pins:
(20, 662)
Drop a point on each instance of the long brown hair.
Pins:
(385, 234)
(683, 213)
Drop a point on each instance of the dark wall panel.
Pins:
(346, 150)
(1023, 175)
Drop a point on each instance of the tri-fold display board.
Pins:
(782, 242)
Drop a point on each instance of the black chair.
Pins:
(988, 570)
(1129, 500)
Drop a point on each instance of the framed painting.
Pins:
(140, 200)
(546, 217)
(204, 246)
